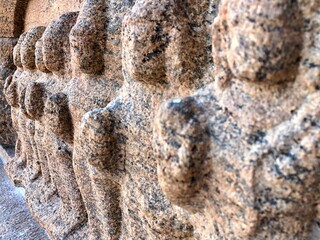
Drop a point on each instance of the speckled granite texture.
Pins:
(242, 155)
(170, 120)
(7, 133)
(16, 221)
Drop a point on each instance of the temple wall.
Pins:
(170, 119)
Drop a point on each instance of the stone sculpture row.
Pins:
(103, 152)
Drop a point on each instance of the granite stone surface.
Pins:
(242, 154)
(16, 221)
(7, 133)
(170, 119)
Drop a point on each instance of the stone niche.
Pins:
(168, 119)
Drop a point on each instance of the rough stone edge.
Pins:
(6, 153)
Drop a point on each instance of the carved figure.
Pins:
(242, 155)
(36, 95)
(16, 166)
(96, 48)
(57, 119)
(159, 61)
(27, 51)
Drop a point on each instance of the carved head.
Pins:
(87, 38)
(36, 91)
(158, 44)
(264, 62)
(28, 47)
(16, 51)
(261, 40)
(39, 57)
(144, 43)
(56, 45)
(148, 32)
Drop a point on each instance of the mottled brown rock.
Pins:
(18, 163)
(102, 151)
(47, 159)
(96, 51)
(56, 56)
(7, 133)
(12, 17)
(242, 154)
(116, 140)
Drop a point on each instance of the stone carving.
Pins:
(11, 17)
(116, 140)
(242, 154)
(7, 134)
(56, 56)
(102, 151)
(57, 117)
(27, 125)
(18, 163)
(96, 48)
(34, 103)
(40, 94)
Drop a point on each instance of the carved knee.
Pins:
(57, 116)
(98, 137)
(182, 142)
(34, 100)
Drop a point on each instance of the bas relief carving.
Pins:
(247, 146)
(170, 120)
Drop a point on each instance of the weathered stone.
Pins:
(40, 12)
(12, 14)
(7, 133)
(116, 140)
(15, 218)
(242, 154)
(102, 151)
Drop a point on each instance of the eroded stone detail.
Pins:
(7, 133)
(37, 93)
(103, 152)
(96, 51)
(242, 155)
(117, 139)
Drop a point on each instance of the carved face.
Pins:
(87, 38)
